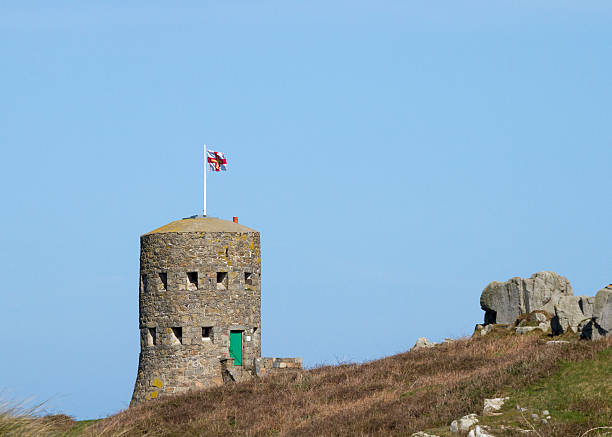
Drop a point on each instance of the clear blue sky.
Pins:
(395, 156)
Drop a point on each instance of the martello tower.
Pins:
(200, 305)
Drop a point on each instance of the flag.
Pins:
(216, 161)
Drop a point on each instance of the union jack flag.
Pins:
(216, 161)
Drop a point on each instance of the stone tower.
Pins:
(200, 305)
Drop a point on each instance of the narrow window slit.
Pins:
(192, 280)
(221, 280)
(248, 279)
(163, 277)
(207, 333)
(177, 333)
(143, 283)
(151, 336)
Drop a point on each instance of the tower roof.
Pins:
(202, 224)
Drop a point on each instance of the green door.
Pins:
(236, 347)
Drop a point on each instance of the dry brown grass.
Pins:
(398, 395)
(19, 421)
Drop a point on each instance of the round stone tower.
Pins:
(200, 305)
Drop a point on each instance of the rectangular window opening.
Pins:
(221, 280)
(248, 279)
(192, 280)
(207, 333)
(151, 336)
(143, 283)
(163, 277)
(177, 333)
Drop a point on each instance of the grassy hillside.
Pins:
(419, 390)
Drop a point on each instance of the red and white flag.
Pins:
(216, 161)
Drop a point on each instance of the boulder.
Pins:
(539, 317)
(586, 305)
(568, 314)
(500, 301)
(478, 432)
(600, 324)
(492, 406)
(542, 290)
(423, 342)
(464, 424)
(484, 330)
(504, 302)
(602, 309)
(592, 331)
(534, 320)
(546, 301)
(422, 434)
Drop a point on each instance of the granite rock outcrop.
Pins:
(549, 293)
(600, 324)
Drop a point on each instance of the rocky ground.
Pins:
(563, 403)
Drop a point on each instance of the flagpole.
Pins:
(205, 168)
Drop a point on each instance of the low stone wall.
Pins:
(232, 373)
(266, 366)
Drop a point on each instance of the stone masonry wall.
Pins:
(172, 297)
(266, 366)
